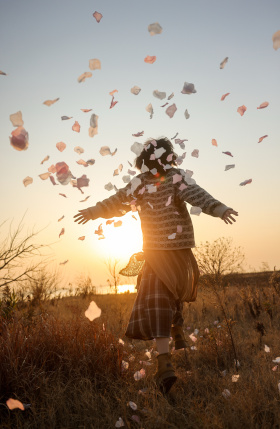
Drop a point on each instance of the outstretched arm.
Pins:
(227, 216)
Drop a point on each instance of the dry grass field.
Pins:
(77, 374)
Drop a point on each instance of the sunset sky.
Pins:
(46, 46)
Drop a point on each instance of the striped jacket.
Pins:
(161, 204)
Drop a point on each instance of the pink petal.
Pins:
(246, 182)
(19, 139)
(182, 186)
(45, 159)
(228, 153)
(150, 59)
(60, 146)
(44, 176)
(50, 102)
(108, 222)
(78, 150)
(113, 103)
(27, 181)
(171, 110)
(164, 105)
(82, 162)
(223, 63)
(188, 88)
(113, 92)
(82, 201)
(16, 119)
(177, 178)
(168, 202)
(224, 96)
(94, 64)
(86, 110)
(76, 127)
(179, 229)
(276, 40)
(98, 16)
(62, 232)
(261, 138)
(118, 223)
(62, 217)
(139, 134)
(63, 195)
(169, 158)
(14, 403)
(153, 157)
(82, 238)
(195, 153)
(263, 105)
(242, 110)
(214, 142)
(65, 118)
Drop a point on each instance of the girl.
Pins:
(170, 273)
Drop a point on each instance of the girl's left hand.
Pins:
(227, 217)
(82, 217)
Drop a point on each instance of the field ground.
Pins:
(73, 371)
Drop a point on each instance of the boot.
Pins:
(165, 376)
(177, 334)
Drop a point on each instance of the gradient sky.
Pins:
(46, 46)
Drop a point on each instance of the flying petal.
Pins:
(150, 59)
(228, 167)
(158, 94)
(65, 118)
(60, 146)
(154, 28)
(223, 63)
(16, 119)
(98, 16)
(19, 139)
(241, 110)
(214, 142)
(94, 64)
(276, 40)
(27, 181)
(78, 150)
(195, 210)
(263, 105)
(246, 182)
(228, 153)
(224, 96)
(61, 232)
(76, 127)
(188, 88)
(135, 90)
(45, 159)
(195, 153)
(44, 176)
(171, 110)
(150, 109)
(50, 102)
(93, 311)
(261, 138)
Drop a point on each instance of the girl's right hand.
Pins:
(227, 216)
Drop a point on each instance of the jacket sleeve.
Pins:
(197, 196)
(116, 205)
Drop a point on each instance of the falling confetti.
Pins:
(44, 176)
(98, 16)
(78, 150)
(223, 63)
(261, 138)
(139, 374)
(105, 150)
(224, 96)
(50, 102)
(45, 159)
(276, 40)
(27, 181)
(266, 349)
(195, 153)
(109, 186)
(93, 311)
(94, 64)
(137, 148)
(228, 153)
(170, 111)
(263, 105)
(19, 139)
(132, 405)
(160, 151)
(16, 119)
(246, 182)
(119, 423)
(14, 403)
(150, 59)
(214, 142)
(135, 90)
(277, 360)
(228, 167)
(118, 223)
(65, 118)
(158, 94)
(187, 115)
(62, 217)
(188, 88)
(60, 146)
(149, 109)
(242, 110)
(139, 134)
(154, 29)
(93, 128)
(76, 127)
(195, 210)
(82, 238)
(172, 236)
(61, 232)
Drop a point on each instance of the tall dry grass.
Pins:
(70, 369)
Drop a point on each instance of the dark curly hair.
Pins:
(159, 163)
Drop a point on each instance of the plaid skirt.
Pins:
(155, 309)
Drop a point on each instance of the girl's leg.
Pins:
(162, 345)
